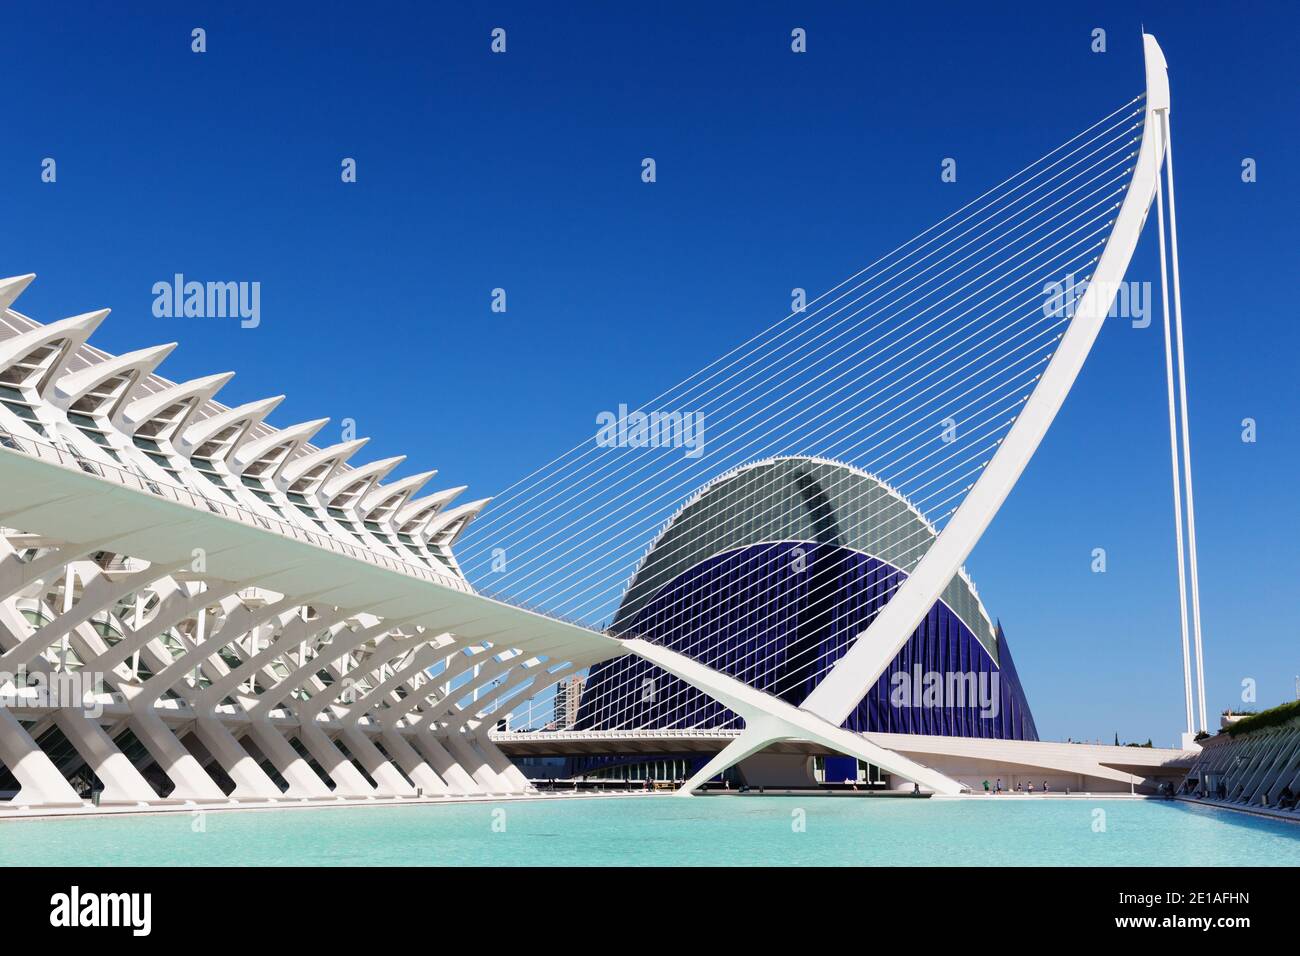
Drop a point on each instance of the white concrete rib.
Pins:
(255, 650)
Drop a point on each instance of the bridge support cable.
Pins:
(633, 541)
(517, 495)
(981, 371)
(938, 381)
(969, 335)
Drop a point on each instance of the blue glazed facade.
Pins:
(778, 615)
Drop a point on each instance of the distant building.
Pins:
(774, 596)
(568, 698)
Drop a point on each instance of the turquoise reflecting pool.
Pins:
(704, 831)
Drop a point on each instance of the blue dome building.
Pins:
(768, 573)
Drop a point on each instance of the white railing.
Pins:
(562, 735)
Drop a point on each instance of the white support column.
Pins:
(390, 781)
(41, 784)
(191, 780)
(348, 781)
(382, 770)
(136, 620)
(475, 764)
(501, 765)
(1182, 402)
(759, 732)
(458, 780)
(251, 781)
(413, 764)
(1286, 769)
(122, 782)
(1189, 735)
(69, 580)
(304, 783)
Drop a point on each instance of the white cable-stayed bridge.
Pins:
(935, 370)
(272, 623)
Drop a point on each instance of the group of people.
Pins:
(1026, 787)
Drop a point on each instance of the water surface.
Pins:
(661, 830)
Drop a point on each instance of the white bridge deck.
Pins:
(1098, 766)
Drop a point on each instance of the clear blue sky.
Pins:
(774, 170)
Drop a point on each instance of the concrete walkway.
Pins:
(89, 810)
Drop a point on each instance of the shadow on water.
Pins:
(1250, 821)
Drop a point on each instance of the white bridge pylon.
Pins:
(769, 719)
(844, 686)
